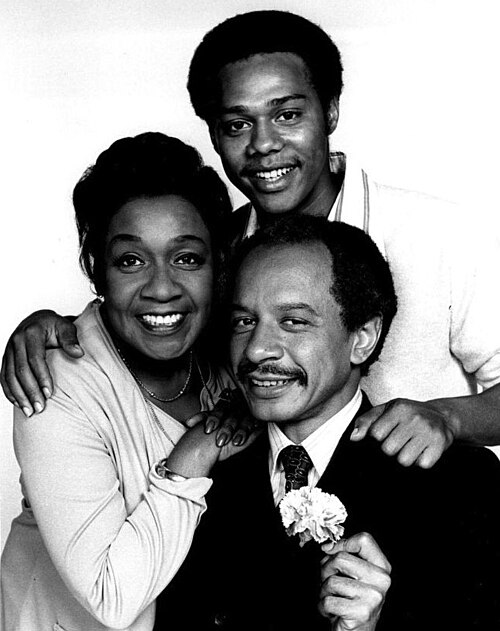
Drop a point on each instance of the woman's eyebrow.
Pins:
(123, 236)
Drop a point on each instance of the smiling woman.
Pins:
(105, 526)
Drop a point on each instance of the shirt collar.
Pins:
(321, 444)
(338, 166)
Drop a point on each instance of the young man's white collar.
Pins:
(320, 446)
(356, 203)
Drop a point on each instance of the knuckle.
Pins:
(23, 372)
(365, 538)
(331, 583)
(386, 583)
(229, 423)
(342, 557)
(377, 597)
(377, 431)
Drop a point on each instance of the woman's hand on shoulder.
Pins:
(198, 450)
(230, 420)
(25, 377)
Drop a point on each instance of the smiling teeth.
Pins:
(268, 383)
(163, 320)
(273, 175)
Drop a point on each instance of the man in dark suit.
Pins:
(312, 303)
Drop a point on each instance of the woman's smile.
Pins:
(162, 324)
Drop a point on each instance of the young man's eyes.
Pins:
(236, 127)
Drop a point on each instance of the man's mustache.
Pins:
(246, 368)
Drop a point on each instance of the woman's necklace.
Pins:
(150, 392)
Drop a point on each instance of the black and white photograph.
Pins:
(250, 354)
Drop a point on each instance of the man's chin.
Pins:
(276, 204)
(271, 411)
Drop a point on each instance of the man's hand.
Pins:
(355, 578)
(230, 418)
(25, 377)
(418, 432)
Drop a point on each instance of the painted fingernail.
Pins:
(221, 440)
(355, 432)
(38, 406)
(46, 392)
(209, 427)
(27, 411)
(237, 440)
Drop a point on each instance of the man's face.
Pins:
(289, 348)
(272, 136)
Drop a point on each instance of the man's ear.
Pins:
(365, 340)
(332, 116)
(213, 137)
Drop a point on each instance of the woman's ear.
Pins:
(365, 340)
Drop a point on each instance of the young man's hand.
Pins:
(25, 377)
(416, 432)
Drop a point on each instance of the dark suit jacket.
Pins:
(439, 528)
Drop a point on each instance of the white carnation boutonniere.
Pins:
(313, 514)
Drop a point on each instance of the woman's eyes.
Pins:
(128, 261)
(190, 259)
(186, 260)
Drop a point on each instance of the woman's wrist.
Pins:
(194, 455)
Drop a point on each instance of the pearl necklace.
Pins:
(150, 392)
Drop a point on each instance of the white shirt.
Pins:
(320, 446)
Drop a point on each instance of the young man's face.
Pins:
(272, 135)
(290, 350)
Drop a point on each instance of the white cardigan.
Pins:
(105, 534)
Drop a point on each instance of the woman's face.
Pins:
(159, 273)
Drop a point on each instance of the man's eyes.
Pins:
(294, 323)
(289, 116)
(242, 324)
(235, 127)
